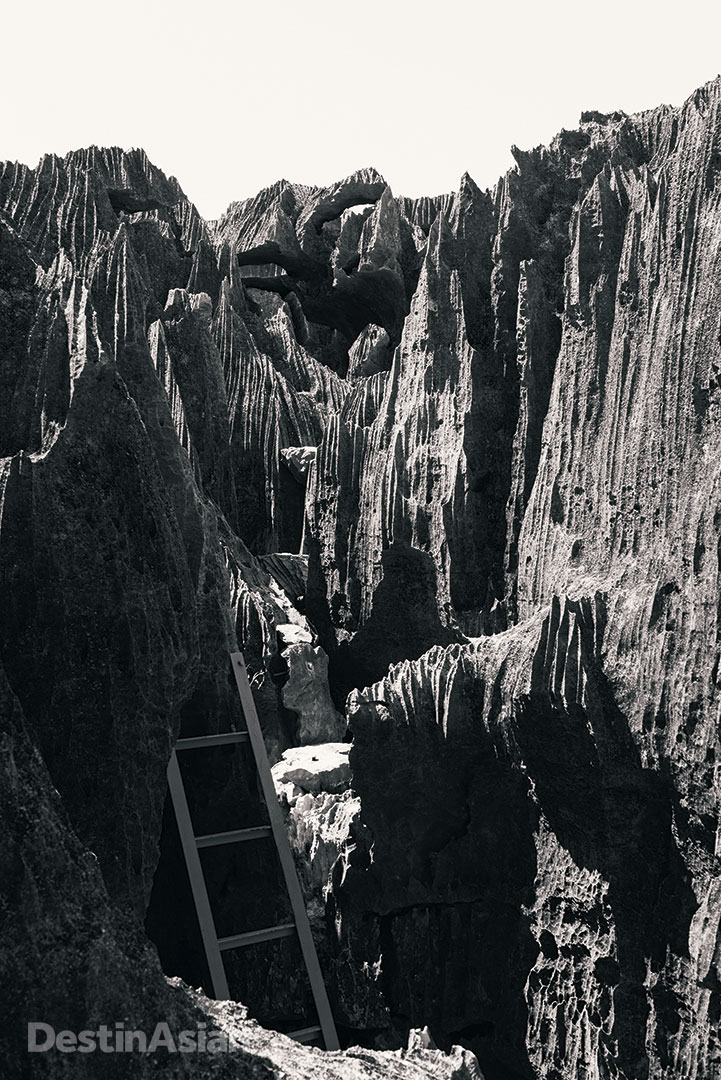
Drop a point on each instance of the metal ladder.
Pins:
(191, 844)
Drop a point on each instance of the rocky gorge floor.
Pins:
(448, 471)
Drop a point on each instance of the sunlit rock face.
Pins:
(447, 470)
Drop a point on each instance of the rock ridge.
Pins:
(466, 448)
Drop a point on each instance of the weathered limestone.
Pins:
(467, 449)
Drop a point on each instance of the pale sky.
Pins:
(230, 97)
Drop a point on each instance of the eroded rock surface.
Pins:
(468, 447)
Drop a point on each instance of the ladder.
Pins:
(191, 844)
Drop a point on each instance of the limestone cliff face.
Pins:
(469, 448)
(77, 960)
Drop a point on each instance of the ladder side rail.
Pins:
(315, 975)
(197, 880)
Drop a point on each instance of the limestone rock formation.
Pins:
(314, 786)
(467, 448)
(314, 768)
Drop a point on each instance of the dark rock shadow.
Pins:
(404, 623)
(614, 816)
(441, 869)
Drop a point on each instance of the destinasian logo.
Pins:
(43, 1038)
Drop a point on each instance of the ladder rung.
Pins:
(233, 837)
(201, 741)
(256, 936)
(305, 1034)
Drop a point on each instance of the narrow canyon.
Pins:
(448, 472)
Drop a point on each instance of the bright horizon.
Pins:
(230, 97)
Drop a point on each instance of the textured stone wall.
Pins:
(491, 420)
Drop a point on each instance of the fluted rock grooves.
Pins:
(468, 447)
